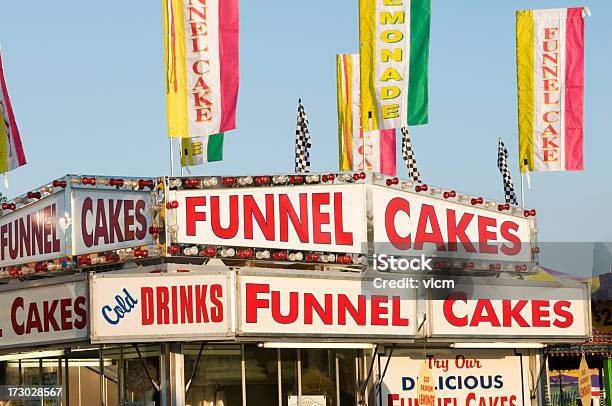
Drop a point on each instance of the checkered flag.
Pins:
(302, 141)
(408, 154)
(502, 164)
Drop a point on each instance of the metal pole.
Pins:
(41, 379)
(299, 376)
(67, 380)
(171, 156)
(337, 380)
(79, 383)
(358, 372)
(364, 140)
(379, 373)
(243, 373)
(101, 371)
(279, 367)
(522, 191)
(60, 381)
(164, 383)
(120, 377)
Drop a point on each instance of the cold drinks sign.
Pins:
(154, 307)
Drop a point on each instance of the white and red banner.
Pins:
(34, 233)
(485, 310)
(153, 307)
(372, 151)
(290, 306)
(105, 220)
(11, 150)
(550, 66)
(202, 75)
(38, 315)
(316, 218)
(412, 224)
(460, 378)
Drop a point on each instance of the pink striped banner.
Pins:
(574, 90)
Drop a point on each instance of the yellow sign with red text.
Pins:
(426, 389)
(584, 382)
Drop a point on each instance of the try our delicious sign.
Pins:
(315, 218)
(334, 218)
(525, 310)
(477, 378)
(289, 306)
(36, 315)
(155, 307)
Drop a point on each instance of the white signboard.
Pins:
(291, 306)
(106, 220)
(307, 400)
(153, 307)
(477, 378)
(33, 233)
(315, 218)
(481, 310)
(411, 224)
(36, 315)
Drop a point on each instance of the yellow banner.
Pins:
(347, 75)
(384, 35)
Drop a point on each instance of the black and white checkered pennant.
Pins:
(502, 164)
(302, 141)
(408, 154)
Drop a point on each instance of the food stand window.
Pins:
(261, 375)
(31, 372)
(271, 376)
(215, 378)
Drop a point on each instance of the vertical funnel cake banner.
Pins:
(201, 55)
(550, 73)
(359, 151)
(11, 150)
(394, 52)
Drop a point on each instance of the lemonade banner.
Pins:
(198, 150)
(359, 151)
(201, 55)
(550, 72)
(394, 53)
(11, 150)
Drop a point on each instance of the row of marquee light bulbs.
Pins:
(35, 195)
(277, 180)
(245, 254)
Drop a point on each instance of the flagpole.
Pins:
(171, 156)
(522, 191)
(364, 141)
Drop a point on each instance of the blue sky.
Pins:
(87, 84)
